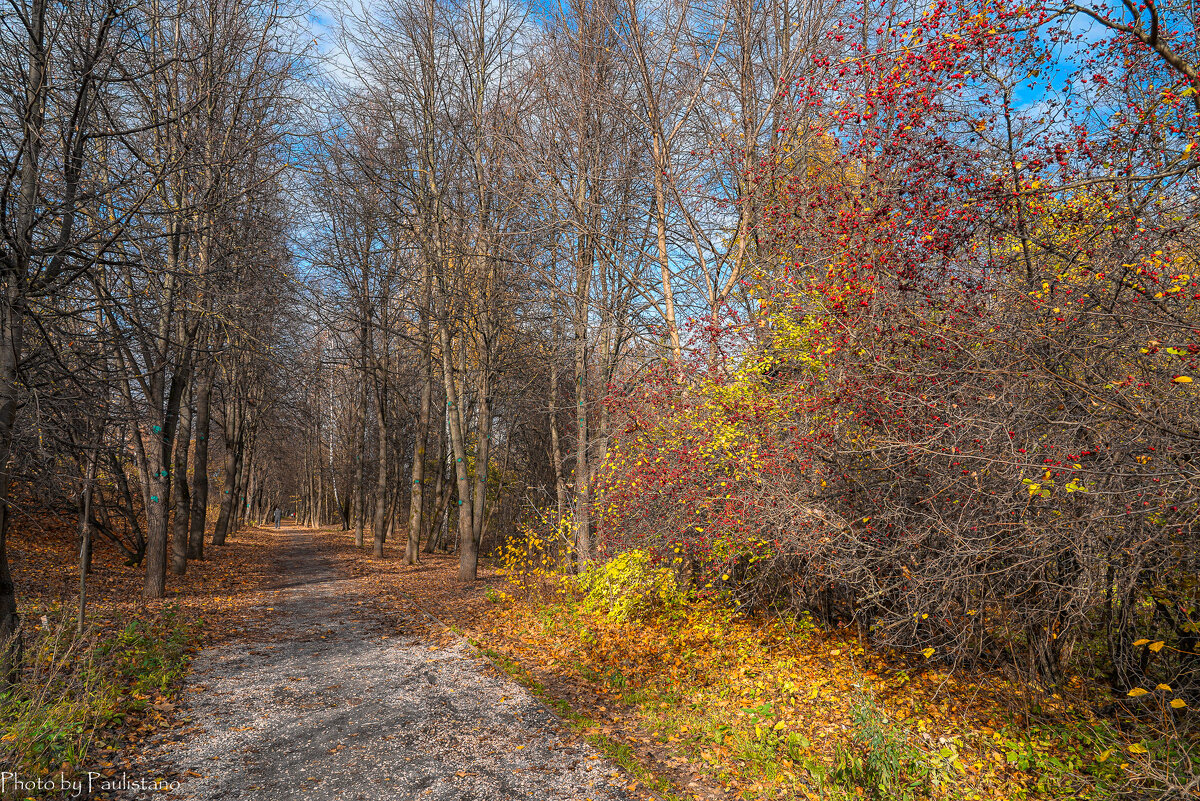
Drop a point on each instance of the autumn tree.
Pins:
(61, 134)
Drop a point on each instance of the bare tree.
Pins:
(64, 67)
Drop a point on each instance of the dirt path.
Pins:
(330, 702)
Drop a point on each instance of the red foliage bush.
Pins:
(967, 419)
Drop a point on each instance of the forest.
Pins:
(879, 316)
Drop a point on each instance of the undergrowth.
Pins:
(72, 687)
(778, 707)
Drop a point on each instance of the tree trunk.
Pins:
(440, 496)
(556, 457)
(582, 521)
(360, 488)
(11, 338)
(10, 350)
(127, 508)
(85, 529)
(446, 542)
(664, 262)
(250, 514)
(159, 487)
(379, 522)
(235, 506)
(199, 506)
(162, 438)
(483, 454)
(233, 447)
(416, 499)
(245, 468)
(182, 505)
(468, 553)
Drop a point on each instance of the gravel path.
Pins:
(333, 704)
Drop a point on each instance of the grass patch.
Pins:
(72, 687)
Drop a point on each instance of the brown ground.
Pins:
(223, 589)
(236, 591)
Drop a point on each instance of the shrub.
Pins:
(628, 586)
(965, 418)
(537, 556)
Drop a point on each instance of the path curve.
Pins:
(334, 704)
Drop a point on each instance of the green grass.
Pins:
(74, 687)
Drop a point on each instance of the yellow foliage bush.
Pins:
(538, 557)
(628, 586)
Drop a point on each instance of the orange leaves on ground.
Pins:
(229, 589)
(728, 707)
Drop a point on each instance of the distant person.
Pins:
(278, 516)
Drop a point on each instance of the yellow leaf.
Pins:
(1138, 748)
(1105, 755)
(1178, 703)
(1140, 642)
(1156, 646)
(1182, 379)
(1166, 688)
(928, 652)
(1137, 692)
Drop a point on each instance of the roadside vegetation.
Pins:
(80, 701)
(77, 690)
(771, 705)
